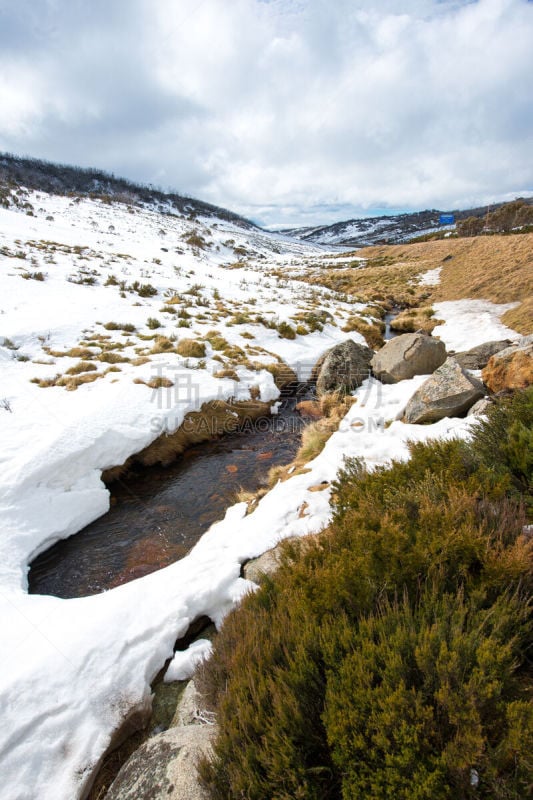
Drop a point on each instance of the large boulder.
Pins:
(449, 392)
(478, 357)
(344, 368)
(408, 355)
(164, 768)
(511, 368)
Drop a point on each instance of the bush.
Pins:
(388, 658)
(144, 289)
(153, 323)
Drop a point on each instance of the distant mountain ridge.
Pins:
(61, 179)
(384, 229)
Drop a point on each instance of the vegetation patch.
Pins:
(157, 382)
(190, 348)
(372, 331)
(82, 366)
(415, 319)
(390, 657)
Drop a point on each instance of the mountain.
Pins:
(382, 230)
(61, 179)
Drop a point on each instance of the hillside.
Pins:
(61, 179)
(368, 231)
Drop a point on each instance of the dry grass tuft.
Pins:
(74, 352)
(162, 344)
(372, 331)
(157, 382)
(190, 348)
(112, 358)
(415, 319)
(227, 372)
(82, 366)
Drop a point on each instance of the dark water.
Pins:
(158, 513)
(387, 319)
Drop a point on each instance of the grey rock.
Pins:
(164, 768)
(478, 357)
(406, 356)
(345, 367)
(449, 392)
(266, 564)
(480, 408)
(189, 708)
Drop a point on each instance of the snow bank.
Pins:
(468, 323)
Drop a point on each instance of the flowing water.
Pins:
(387, 319)
(158, 513)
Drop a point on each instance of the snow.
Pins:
(431, 277)
(73, 671)
(184, 663)
(468, 323)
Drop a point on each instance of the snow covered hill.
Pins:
(392, 229)
(116, 319)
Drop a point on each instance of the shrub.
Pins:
(286, 331)
(153, 323)
(190, 348)
(144, 289)
(388, 658)
(36, 276)
(162, 344)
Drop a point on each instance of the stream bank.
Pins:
(159, 512)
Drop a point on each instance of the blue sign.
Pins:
(447, 219)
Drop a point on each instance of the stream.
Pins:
(157, 513)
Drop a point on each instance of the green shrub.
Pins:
(389, 657)
(153, 323)
(144, 289)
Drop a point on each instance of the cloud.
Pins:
(282, 110)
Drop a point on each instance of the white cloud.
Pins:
(287, 106)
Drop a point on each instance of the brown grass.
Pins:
(112, 358)
(74, 352)
(190, 348)
(415, 319)
(496, 268)
(82, 366)
(372, 331)
(162, 344)
(158, 382)
(520, 318)
(226, 373)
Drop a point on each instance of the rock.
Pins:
(266, 564)
(345, 367)
(164, 768)
(189, 708)
(478, 357)
(511, 368)
(408, 355)
(480, 408)
(449, 392)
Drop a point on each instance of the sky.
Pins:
(290, 112)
